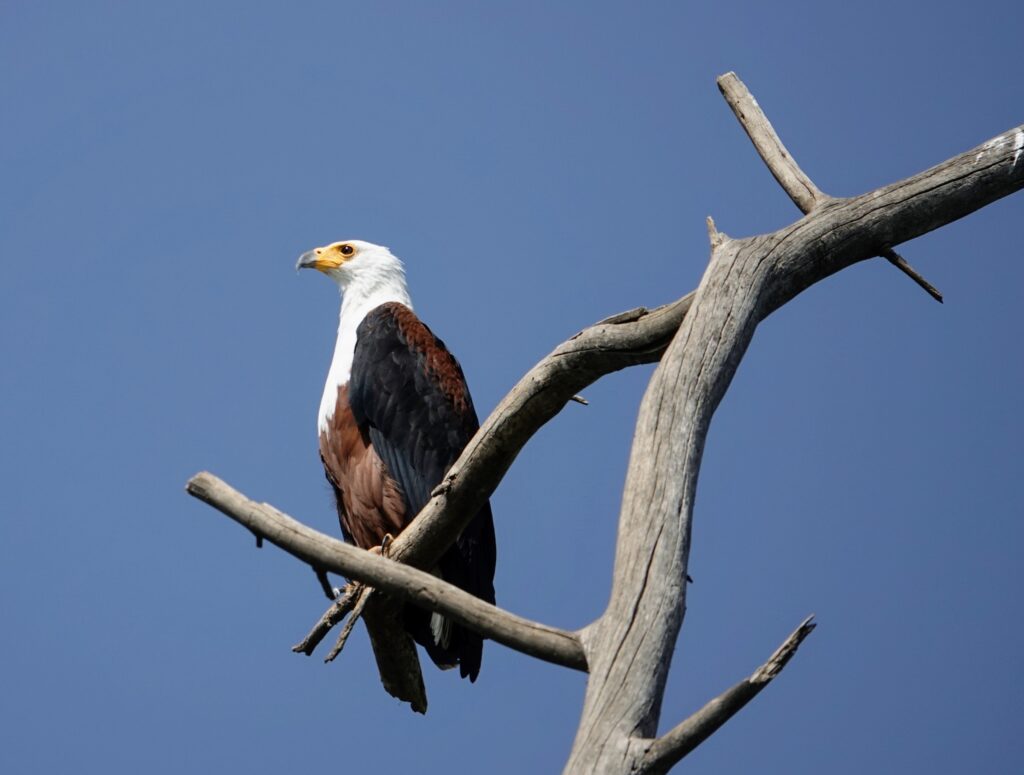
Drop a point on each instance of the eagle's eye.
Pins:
(347, 250)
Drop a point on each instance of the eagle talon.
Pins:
(385, 546)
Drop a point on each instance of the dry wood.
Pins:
(630, 647)
(900, 263)
(759, 129)
(628, 338)
(331, 617)
(362, 596)
(631, 338)
(538, 640)
(787, 172)
(700, 340)
(671, 747)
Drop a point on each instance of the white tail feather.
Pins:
(441, 629)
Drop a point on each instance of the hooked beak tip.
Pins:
(306, 261)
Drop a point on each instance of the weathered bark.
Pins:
(629, 648)
(687, 735)
(403, 581)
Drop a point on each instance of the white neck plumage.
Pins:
(359, 297)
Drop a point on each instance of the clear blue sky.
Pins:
(538, 166)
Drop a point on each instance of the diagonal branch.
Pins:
(361, 598)
(759, 129)
(627, 339)
(627, 651)
(900, 263)
(537, 640)
(787, 172)
(629, 647)
(679, 741)
(334, 614)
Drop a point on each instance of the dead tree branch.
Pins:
(900, 263)
(700, 341)
(339, 608)
(423, 589)
(361, 597)
(759, 129)
(627, 339)
(629, 648)
(671, 747)
(787, 172)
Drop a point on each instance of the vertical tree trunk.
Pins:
(629, 649)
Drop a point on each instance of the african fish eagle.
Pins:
(395, 415)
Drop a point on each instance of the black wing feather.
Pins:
(395, 392)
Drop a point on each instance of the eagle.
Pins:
(395, 415)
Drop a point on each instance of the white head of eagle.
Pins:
(394, 415)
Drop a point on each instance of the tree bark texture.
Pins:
(628, 650)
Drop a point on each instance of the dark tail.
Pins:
(469, 565)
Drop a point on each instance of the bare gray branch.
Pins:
(331, 617)
(700, 341)
(629, 648)
(787, 172)
(900, 263)
(783, 166)
(628, 339)
(668, 749)
(423, 589)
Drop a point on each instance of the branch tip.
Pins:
(715, 237)
(667, 750)
(391, 577)
(341, 606)
(363, 596)
(759, 129)
(900, 263)
(784, 652)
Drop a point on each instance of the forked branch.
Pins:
(629, 648)
(794, 181)
(700, 340)
(334, 614)
(629, 338)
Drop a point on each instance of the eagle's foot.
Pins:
(385, 546)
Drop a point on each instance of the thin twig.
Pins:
(362, 597)
(678, 742)
(331, 617)
(787, 172)
(900, 263)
